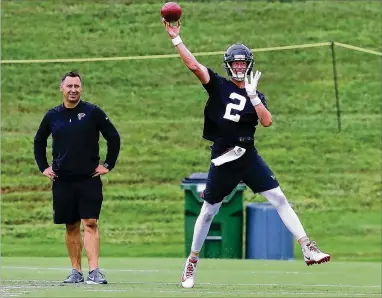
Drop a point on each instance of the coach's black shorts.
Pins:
(250, 168)
(75, 200)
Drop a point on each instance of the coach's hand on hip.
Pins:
(48, 172)
(100, 170)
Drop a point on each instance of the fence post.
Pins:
(332, 44)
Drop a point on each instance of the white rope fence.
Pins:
(279, 48)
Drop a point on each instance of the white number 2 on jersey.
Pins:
(233, 106)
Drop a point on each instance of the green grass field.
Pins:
(333, 179)
(156, 277)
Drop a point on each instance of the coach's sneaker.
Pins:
(96, 277)
(313, 255)
(189, 273)
(74, 277)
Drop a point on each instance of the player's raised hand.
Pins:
(172, 30)
(251, 86)
(48, 172)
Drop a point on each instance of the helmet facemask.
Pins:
(238, 76)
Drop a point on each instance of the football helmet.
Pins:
(238, 52)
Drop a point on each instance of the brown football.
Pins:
(171, 11)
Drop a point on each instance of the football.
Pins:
(171, 12)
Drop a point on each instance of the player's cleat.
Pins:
(96, 277)
(74, 277)
(313, 255)
(189, 273)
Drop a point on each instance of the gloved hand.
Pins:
(251, 87)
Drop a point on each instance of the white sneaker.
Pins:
(313, 255)
(189, 272)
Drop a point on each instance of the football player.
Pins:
(231, 114)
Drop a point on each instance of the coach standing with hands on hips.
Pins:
(75, 171)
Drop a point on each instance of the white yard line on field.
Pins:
(207, 284)
(68, 269)
(155, 270)
(202, 291)
(24, 289)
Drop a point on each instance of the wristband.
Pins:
(177, 40)
(255, 101)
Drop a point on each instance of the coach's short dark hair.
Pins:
(71, 74)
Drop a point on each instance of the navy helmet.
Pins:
(238, 52)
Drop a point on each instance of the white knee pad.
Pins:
(208, 211)
(275, 196)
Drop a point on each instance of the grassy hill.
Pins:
(333, 179)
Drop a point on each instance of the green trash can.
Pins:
(225, 238)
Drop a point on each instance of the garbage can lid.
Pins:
(262, 205)
(199, 178)
(196, 178)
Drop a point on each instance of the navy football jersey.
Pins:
(229, 116)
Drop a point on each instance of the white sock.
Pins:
(202, 224)
(277, 198)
